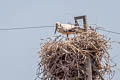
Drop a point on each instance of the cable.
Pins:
(109, 31)
(25, 28)
(31, 27)
(102, 29)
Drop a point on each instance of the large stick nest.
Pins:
(62, 59)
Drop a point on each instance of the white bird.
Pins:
(67, 28)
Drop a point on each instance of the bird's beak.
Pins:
(55, 29)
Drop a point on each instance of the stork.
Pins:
(65, 28)
(70, 28)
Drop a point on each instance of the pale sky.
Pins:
(18, 48)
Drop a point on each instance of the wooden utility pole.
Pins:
(89, 69)
(88, 61)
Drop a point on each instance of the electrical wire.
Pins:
(109, 31)
(25, 28)
(102, 29)
(31, 27)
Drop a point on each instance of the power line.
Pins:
(102, 29)
(109, 31)
(26, 28)
(31, 27)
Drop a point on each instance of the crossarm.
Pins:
(84, 17)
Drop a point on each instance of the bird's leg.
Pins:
(67, 37)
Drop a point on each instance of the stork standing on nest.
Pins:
(70, 28)
(65, 28)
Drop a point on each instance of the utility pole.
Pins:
(89, 69)
(88, 61)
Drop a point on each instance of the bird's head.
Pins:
(58, 26)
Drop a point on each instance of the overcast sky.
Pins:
(18, 48)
